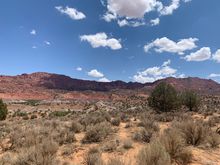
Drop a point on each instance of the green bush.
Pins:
(32, 102)
(3, 110)
(191, 100)
(164, 98)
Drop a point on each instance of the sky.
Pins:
(107, 40)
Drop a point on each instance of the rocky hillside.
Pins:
(49, 86)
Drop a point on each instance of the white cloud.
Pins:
(168, 10)
(187, 1)
(79, 69)
(166, 63)
(130, 23)
(166, 45)
(104, 79)
(102, 40)
(95, 73)
(33, 32)
(155, 22)
(216, 56)
(131, 8)
(108, 17)
(47, 43)
(200, 55)
(155, 73)
(34, 47)
(143, 79)
(181, 76)
(135, 10)
(71, 12)
(214, 75)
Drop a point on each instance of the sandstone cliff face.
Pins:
(51, 86)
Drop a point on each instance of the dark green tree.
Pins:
(3, 110)
(164, 98)
(191, 100)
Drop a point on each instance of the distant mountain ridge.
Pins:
(47, 84)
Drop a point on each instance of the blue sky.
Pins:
(106, 40)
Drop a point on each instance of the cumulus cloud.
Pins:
(47, 43)
(155, 22)
(135, 10)
(166, 45)
(155, 73)
(216, 56)
(104, 79)
(131, 23)
(79, 69)
(33, 32)
(102, 40)
(214, 75)
(168, 10)
(95, 73)
(200, 55)
(71, 12)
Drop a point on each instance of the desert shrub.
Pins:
(97, 133)
(184, 157)
(174, 144)
(19, 113)
(191, 100)
(213, 140)
(164, 117)
(153, 154)
(59, 113)
(110, 146)
(6, 159)
(42, 153)
(93, 157)
(128, 125)
(64, 137)
(194, 132)
(95, 118)
(75, 127)
(213, 121)
(124, 117)
(33, 116)
(3, 110)
(115, 162)
(142, 136)
(164, 98)
(32, 102)
(25, 117)
(68, 150)
(116, 121)
(149, 124)
(127, 144)
(23, 138)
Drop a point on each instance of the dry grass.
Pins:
(61, 139)
(97, 133)
(175, 145)
(194, 132)
(153, 154)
